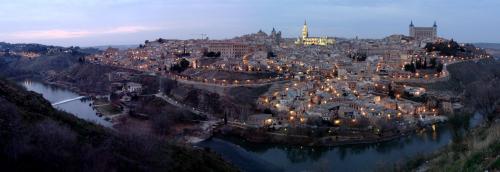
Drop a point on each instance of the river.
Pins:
(266, 157)
(54, 94)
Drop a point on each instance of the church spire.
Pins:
(435, 24)
(411, 23)
(305, 31)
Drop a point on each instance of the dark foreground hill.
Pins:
(36, 137)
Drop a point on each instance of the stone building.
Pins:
(423, 33)
(234, 49)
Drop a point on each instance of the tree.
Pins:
(485, 97)
(433, 62)
(362, 57)
(212, 54)
(424, 66)
(410, 67)
(418, 64)
(270, 54)
(81, 59)
(184, 63)
(181, 66)
(391, 92)
(439, 68)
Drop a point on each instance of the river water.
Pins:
(54, 94)
(266, 157)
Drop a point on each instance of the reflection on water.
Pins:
(53, 94)
(341, 158)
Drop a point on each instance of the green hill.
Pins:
(36, 137)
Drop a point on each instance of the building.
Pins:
(259, 120)
(276, 36)
(229, 49)
(423, 33)
(233, 49)
(304, 39)
(133, 87)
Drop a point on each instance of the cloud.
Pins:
(129, 29)
(48, 34)
(68, 34)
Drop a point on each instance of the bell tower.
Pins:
(305, 31)
(411, 29)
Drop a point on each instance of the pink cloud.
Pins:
(49, 34)
(129, 29)
(68, 34)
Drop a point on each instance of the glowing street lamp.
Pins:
(336, 122)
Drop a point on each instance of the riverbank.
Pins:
(346, 138)
(38, 137)
(246, 154)
(475, 150)
(82, 108)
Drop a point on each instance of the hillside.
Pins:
(488, 45)
(491, 48)
(36, 137)
(49, 59)
(475, 149)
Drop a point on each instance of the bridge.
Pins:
(67, 100)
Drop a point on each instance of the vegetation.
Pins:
(452, 48)
(476, 150)
(358, 56)
(212, 54)
(270, 54)
(37, 137)
(471, 149)
(420, 64)
(181, 66)
(480, 88)
(164, 115)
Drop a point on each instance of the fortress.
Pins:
(423, 33)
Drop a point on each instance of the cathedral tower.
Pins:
(305, 31)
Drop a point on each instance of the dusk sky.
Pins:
(117, 22)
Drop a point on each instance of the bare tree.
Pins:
(484, 96)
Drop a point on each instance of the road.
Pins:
(227, 84)
(186, 107)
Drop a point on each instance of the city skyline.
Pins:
(112, 22)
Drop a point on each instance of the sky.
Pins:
(122, 22)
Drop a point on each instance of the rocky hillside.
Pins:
(47, 59)
(36, 137)
(86, 77)
(236, 102)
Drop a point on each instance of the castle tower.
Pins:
(305, 31)
(411, 29)
(435, 26)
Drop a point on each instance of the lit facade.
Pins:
(304, 39)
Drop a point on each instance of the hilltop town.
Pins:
(314, 91)
(325, 87)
